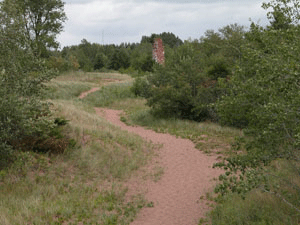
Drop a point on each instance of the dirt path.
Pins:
(187, 176)
(84, 94)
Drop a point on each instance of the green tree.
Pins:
(100, 61)
(233, 36)
(43, 21)
(264, 100)
(120, 59)
(282, 13)
(175, 86)
(188, 84)
(280, 21)
(168, 39)
(86, 55)
(141, 57)
(24, 118)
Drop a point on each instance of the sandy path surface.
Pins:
(187, 176)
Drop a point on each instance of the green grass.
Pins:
(59, 198)
(106, 146)
(257, 208)
(93, 78)
(65, 90)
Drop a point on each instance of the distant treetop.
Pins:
(169, 39)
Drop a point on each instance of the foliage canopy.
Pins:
(42, 20)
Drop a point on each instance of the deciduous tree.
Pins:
(24, 118)
(264, 100)
(43, 21)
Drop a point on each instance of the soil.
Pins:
(177, 198)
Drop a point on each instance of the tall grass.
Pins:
(65, 89)
(94, 78)
(105, 146)
(256, 208)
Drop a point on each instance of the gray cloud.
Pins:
(127, 20)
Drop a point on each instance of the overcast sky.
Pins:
(117, 21)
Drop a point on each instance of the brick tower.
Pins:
(158, 53)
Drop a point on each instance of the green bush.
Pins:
(7, 156)
(24, 118)
(141, 87)
(267, 102)
(174, 85)
(182, 88)
(264, 100)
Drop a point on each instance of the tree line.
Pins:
(131, 57)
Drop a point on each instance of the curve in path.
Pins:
(84, 94)
(187, 176)
(94, 89)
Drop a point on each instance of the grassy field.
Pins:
(87, 183)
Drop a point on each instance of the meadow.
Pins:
(87, 183)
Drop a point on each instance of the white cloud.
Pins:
(128, 20)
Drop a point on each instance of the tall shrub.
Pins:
(264, 100)
(23, 117)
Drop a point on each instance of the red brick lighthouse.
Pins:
(158, 53)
